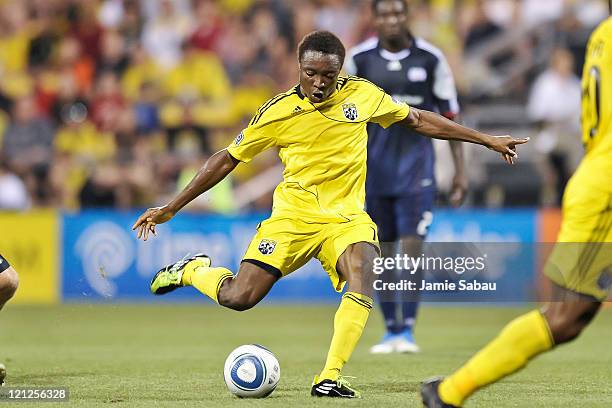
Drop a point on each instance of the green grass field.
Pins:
(172, 355)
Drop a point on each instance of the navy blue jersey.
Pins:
(401, 162)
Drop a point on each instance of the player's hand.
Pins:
(149, 219)
(506, 145)
(458, 190)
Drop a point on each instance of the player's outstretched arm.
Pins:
(438, 127)
(216, 168)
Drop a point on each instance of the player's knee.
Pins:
(564, 327)
(9, 282)
(239, 305)
(359, 262)
(357, 267)
(238, 300)
(567, 334)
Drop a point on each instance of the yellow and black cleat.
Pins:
(430, 396)
(334, 389)
(170, 277)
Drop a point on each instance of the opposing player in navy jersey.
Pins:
(400, 185)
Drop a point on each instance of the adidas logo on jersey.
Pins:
(239, 139)
(297, 109)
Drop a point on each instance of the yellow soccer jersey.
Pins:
(597, 105)
(323, 146)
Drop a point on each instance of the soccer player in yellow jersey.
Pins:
(580, 266)
(319, 128)
(8, 285)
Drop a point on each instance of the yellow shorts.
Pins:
(286, 244)
(582, 258)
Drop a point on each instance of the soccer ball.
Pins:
(251, 371)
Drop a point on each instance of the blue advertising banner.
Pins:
(103, 261)
(473, 225)
(509, 252)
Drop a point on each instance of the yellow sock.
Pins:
(522, 339)
(204, 278)
(349, 322)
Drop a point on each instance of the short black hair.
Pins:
(375, 4)
(322, 41)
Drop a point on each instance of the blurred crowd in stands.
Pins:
(117, 103)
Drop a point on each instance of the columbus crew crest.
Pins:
(350, 111)
(266, 246)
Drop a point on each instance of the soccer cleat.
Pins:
(2, 374)
(396, 343)
(170, 277)
(335, 389)
(405, 343)
(386, 345)
(430, 396)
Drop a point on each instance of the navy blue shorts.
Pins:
(396, 217)
(4, 265)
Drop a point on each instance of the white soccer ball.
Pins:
(251, 371)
